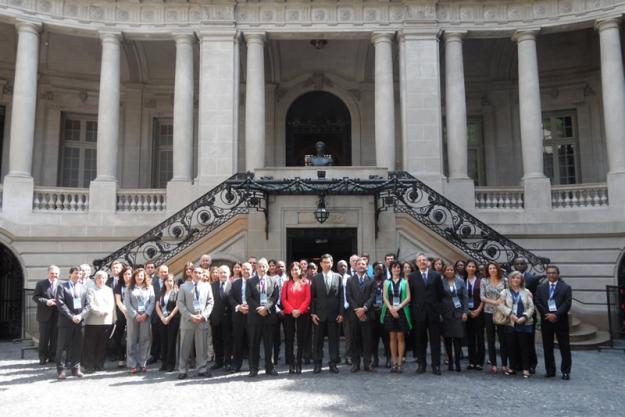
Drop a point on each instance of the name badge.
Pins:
(196, 306)
(515, 308)
(165, 313)
(263, 299)
(552, 306)
(457, 303)
(395, 300)
(77, 303)
(378, 299)
(471, 304)
(141, 306)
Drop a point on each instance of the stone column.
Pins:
(460, 187)
(613, 92)
(421, 105)
(384, 100)
(537, 187)
(217, 117)
(255, 102)
(103, 190)
(18, 183)
(183, 108)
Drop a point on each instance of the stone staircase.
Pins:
(586, 336)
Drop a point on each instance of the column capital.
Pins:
(216, 35)
(254, 37)
(377, 37)
(454, 35)
(184, 37)
(525, 35)
(419, 34)
(110, 37)
(613, 22)
(25, 25)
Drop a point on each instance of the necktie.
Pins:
(425, 277)
(552, 290)
(262, 285)
(243, 300)
(327, 282)
(361, 281)
(221, 290)
(470, 290)
(197, 293)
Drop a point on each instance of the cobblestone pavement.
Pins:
(596, 388)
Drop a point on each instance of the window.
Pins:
(78, 150)
(163, 161)
(560, 147)
(475, 150)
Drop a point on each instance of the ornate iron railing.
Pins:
(400, 192)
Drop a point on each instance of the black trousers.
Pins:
(532, 342)
(69, 340)
(239, 334)
(277, 338)
(431, 327)
(47, 339)
(361, 340)
(295, 329)
(260, 331)
(379, 333)
(94, 349)
(167, 337)
(222, 342)
(118, 338)
(332, 330)
(518, 345)
(453, 347)
(475, 340)
(561, 331)
(495, 330)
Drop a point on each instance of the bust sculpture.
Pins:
(320, 158)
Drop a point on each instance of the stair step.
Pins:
(600, 338)
(574, 322)
(583, 332)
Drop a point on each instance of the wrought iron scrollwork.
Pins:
(400, 192)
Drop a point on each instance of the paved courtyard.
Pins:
(596, 388)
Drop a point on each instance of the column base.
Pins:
(537, 194)
(616, 190)
(17, 195)
(103, 196)
(461, 191)
(434, 181)
(180, 192)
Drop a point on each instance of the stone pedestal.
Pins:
(462, 192)
(103, 197)
(17, 195)
(179, 194)
(616, 191)
(537, 194)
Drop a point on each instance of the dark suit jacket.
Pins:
(43, 293)
(252, 296)
(65, 304)
(110, 282)
(234, 298)
(221, 308)
(327, 305)
(358, 298)
(563, 297)
(171, 302)
(477, 298)
(426, 301)
(531, 282)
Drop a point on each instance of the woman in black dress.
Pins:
(396, 314)
(169, 322)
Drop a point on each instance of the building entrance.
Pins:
(11, 286)
(310, 244)
(318, 116)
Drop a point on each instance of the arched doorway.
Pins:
(11, 286)
(318, 116)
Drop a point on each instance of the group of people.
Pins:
(224, 315)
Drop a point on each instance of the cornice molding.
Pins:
(138, 17)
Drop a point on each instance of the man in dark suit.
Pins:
(426, 296)
(553, 301)
(221, 322)
(73, 306)
(240, 312)
(47, 314)
(327, 309)
(262, 294)
(116, 269)
(531, 283)
(360, 297)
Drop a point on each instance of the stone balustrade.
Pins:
(142, 201)
(499, 198)
(579, 196)
(61, 199)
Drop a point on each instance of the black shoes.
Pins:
(271, 372)
(216, 365)
(388, 363)
(151, 360)
(206, 374)
(182, 376)
(317, 369)
(421, 369)
(333, 368)
(355, 368)
(376, 363)
(566, 376)
(550, 374)
(436, 370)
(369, 369)
(253, 373)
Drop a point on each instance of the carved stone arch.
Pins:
(12, 280)
(337, 87)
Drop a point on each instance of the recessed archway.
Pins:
(11, 294)
(318, 116)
